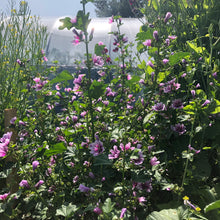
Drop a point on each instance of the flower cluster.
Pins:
(5, 140)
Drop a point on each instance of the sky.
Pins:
(44, 8)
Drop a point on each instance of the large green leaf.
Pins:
(66, 23)
(82, 21)
(66, 210)
(56, 149)
(108, 206)
(97, 89)
(144, 35)
(177, 57)
(212, 206)
(63, 76)
(172, 214)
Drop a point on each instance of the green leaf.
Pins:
(172, 214)
(190, 109)
(99, 49)
(66, 210)
(177, 57)
(108, 206)
(66, 23)
(201, 94)
(166, 214)
(193, 46)
(144, 35)
(148, 117)
(161, 76)
(56, 149)
(82, 22)
(212, 206)
(63, 76)
(97, 89)
(142, 65)
(217, 108)
(154, 3)
(102, 160)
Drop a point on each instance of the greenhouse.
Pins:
(61, 48)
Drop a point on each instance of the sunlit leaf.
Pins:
(212, 206)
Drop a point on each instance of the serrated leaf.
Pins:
(108, 206)
(167, 214)
(66, 210)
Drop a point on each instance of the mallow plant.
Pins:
(132, 142)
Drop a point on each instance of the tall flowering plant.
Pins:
(22, 38)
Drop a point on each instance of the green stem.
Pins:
(187, 160)
(88, 63)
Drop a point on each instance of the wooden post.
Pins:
(12, 179)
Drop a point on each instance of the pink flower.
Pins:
(5, 140)
(193, 149)
(154, 161)
(206, 103)
(37, 80)
(24, 183)
(167, 41)
(149, 63)
(177, 104)
(179, 128)
(97, 210)
(100, 43)
(128, 77)
(172, 37)
(159, 107)
(83, 188)
(167, 17)
(114, 153)
(57, 86)
(147, 43)
(123, 212)
(165, 61)
(35, 164)
(73, 20)
(18, 61)
(155, 35)
(96, 148)
(45, 58)
(111, 19)
(97, 60)
(39, 183)
(142, 199)
(4, 196)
